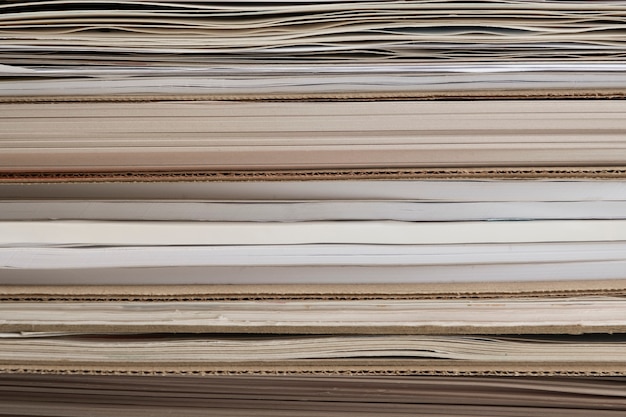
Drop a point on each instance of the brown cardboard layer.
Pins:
(615, 172)
(330, 368)
(520, 94)
(478, 290)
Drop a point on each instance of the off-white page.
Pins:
(298, 210)
(36, 258)
(357, 232)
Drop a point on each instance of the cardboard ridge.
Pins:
(400, 95)
(426, 291)
(616, 172)
(346, 368)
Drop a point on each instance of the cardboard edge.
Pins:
(400, 95)
(409, 173)
(477, 290)
(329, 368)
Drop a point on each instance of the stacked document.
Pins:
(74, 47)
(415, 276)
(198, 31)
(313, 232)
(377, 336)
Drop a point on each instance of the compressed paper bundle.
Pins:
(338, 48)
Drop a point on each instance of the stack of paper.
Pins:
(339, 276)
(224, 137)
(313, 232)
(382, 188)
(70, 47)
(196, 32)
